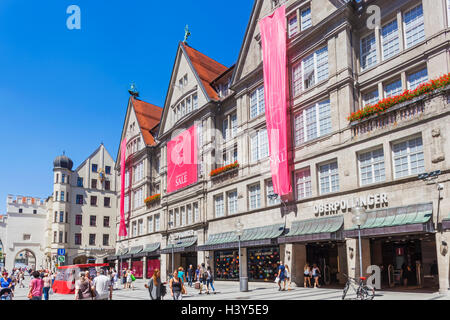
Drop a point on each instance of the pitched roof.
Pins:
(207, 69)
(148, 117)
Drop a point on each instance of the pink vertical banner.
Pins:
(182, 160)
(273, 39)
(123, 150)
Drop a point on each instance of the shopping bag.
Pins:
(197, 285)
(277, 280)
(132, 278)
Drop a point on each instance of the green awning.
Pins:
(320, 229)
(183, 245)
(136, 250)
(413, 218)
(250, 237)
(149, 250)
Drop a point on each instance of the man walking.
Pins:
(190, 273)
(102, 286)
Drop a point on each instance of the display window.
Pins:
(226, 265)
(263, 263)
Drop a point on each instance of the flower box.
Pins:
(151, 199)
(383, 105)
(224, 169)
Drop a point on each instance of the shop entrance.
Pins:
(187, 259)
(407, 262)
(325, 256)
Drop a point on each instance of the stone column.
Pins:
(443, 261)
(352, 256)
(298, 261)
(144, 267)
(164, 266)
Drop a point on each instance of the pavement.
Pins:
(226, 290)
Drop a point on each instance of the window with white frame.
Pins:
(171, 219)
(157, 223)
(138, 172)
(218, 206)
(271, 200)
(225, 131)
(408, 158)
(177, 217)
(414, 26)
(368, 51)
(188, 104)
(305, 16)
(127, 179)
(229, 127)
(448, 13)
(257, 105)
(150, 228)
(194, 102)
(140, 227)
(138, 197)
(232, 202)
(329, 177)
(390, 39)
(303, 184)
(371, 167)
(292, 25)
(234, 125)
(311, 70)
(259, 145)
(183, 216)
(230, 156)
(189, 214)
(126, 201)
(134, 229)
(254, 195)
(312, 122)
(417, 78)
(196, 212)
(370, 98)
(393, 89)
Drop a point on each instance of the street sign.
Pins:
(61, 252)
(61, 258)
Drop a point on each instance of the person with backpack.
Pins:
(154, 286)
(203, 277)
(210, 280)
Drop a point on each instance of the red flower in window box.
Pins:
(383, 105)
(226, 168)
(151, 199)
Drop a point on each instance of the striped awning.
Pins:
(259, 236)
(150, 249)
(182, 245)
(410, 219)
(320, 229)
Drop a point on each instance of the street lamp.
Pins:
(359, 218)
(243, 281)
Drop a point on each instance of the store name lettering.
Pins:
(181, 179)
(379, 199)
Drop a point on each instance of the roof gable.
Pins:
(148, 117)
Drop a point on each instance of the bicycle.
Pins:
(363, 291)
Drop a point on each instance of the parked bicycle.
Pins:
(363, 291)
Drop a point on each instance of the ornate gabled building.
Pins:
(347, 148)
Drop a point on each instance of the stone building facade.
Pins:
(337, 63)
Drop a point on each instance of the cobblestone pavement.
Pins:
(257, 291)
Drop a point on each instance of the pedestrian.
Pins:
(36, 287)
(21, 279)
(203, 276)
(181, 274)
(190, 274)
(6, 281)
(47, 285)
(129, 279)
(316, 275)
(154, 286)
(83, 287)
(124, 278)
(102, 286)
(176, 287)
(281, 276)
(210, 280)
(307, 276)
(287, 274)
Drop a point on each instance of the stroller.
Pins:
(6, 294)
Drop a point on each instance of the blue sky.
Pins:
(66, 89)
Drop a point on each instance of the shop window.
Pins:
(226, 265)
(263, 263)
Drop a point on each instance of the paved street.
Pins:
(259, 291)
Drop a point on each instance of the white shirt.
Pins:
(102, 284)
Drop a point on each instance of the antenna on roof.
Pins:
(187, 34)
(133, 91)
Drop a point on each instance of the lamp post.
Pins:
(243, 281)
(359, 218)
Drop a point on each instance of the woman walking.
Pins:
(176, 287)
(47, 285)
(210, 280)
(83, 288)
(154, 286)
(36, 287)
(307, 276)
(316, 275)
(181, 274)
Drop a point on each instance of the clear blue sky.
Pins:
(66, 89)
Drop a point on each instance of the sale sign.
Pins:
(182, 160)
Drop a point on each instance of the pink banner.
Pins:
(273, 38)
(182, 160)
(122, 227)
